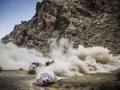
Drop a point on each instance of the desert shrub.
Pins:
(118, 76)
(32, 68)
(21, 69)
(118, 17)
(16, 42)
(22, 22)
(106, 86)
(83, 28)
(49, 63)
(74, 34)
(1, 69)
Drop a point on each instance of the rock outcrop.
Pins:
(86, 22)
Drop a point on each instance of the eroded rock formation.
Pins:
(86, 22)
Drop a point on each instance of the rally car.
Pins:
(44, 79)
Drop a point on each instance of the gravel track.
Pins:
(20, 80)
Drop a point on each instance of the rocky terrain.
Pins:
(86, 22)
(20, 80)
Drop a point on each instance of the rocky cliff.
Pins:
(86, 22)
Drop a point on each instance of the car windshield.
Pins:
(44, 75)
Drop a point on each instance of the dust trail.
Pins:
(73, 62)
(68, 61)
(13, 57)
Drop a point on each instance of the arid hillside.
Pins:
(86, 22)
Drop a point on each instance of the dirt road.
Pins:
(20, 80)
(16, 80)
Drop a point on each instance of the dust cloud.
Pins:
(68, 61)
(13, 57)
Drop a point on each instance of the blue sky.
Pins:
(12, 12)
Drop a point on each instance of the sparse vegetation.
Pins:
(106, 86)
(118, 76)
(21, 69)
(16, 42)
(33, 67)
(118, 17)
(22, 22)
(1, 69)
(83, 28)
(74, 34)
(48, 63)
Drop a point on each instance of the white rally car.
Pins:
(44, 79)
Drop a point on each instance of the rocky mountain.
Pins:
(86, 22)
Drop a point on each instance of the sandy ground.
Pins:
(20, 80)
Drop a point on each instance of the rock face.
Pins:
(86, 22)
